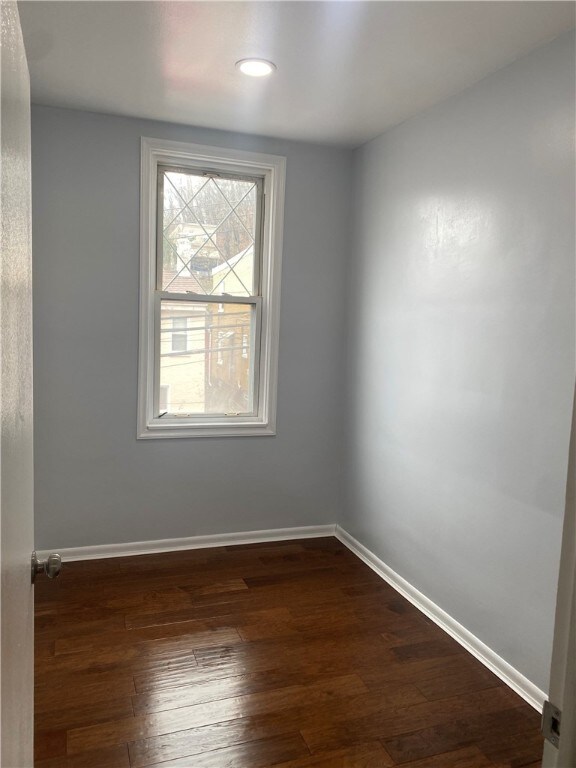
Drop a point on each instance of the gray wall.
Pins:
(95, 483)
(462, 351)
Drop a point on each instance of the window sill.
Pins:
(160, 431)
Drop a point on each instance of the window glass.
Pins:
(212, 371)
(209, 233)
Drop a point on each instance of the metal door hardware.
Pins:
(551, 719)
(51, 566)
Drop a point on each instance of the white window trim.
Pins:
(272, 168)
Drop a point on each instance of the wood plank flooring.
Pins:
(291, 654)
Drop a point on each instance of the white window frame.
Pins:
(272, 169)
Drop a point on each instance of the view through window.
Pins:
(209, 249)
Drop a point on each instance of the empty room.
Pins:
(287, 335)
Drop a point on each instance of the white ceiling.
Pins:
(347, 71)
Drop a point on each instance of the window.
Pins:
(211, 236)
(164, 398)
(179, 334)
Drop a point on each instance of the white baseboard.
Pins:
(193, 542)
(523, 687)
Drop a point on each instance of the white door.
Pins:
(16, 468)
(563, 670)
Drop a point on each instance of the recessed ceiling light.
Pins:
(256, 67)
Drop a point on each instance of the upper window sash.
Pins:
(164, 247)
(268, 171)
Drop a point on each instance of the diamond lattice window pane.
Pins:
(178, 190)
(236, 276)
(209, 234)
(206, 358)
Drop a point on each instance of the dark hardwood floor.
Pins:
(292, 654)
